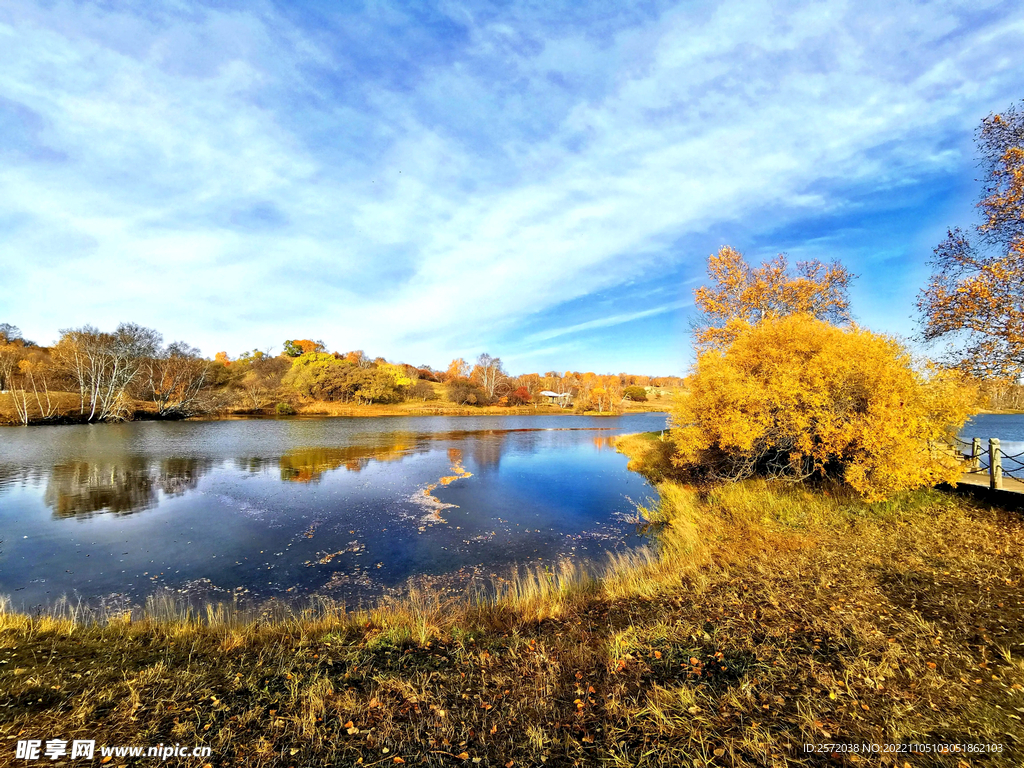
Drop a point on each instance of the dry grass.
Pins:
(649, 454)
(769, 617)
(66, 405)
(447, 408)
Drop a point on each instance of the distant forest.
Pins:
(91, 375)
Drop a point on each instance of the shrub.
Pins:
(327, 377)
(466, 392)
(797, 397)
(421, 390)
(324, 377)
(521, 396)
(284, 409)
(382, 384)
(636, 394)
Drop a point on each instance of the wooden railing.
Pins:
(1000, 464)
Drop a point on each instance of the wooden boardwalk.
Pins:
(981, 479)
(1001, 471)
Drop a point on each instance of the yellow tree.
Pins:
(741, 295)
(297, 347)
(457, 369)
(974, 300)
(796, 397)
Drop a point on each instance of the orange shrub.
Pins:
(798, 397)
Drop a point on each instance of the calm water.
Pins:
(1009, 427)
(1009, 430)
(288, 508)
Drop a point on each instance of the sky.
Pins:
(541, 181)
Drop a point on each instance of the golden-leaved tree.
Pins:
(974, 300)
(795, 397)
(741, 295)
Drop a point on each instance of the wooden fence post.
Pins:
(995, 465)
(976, 454)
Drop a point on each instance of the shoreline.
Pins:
(326, 411)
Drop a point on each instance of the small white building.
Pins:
(556, 397)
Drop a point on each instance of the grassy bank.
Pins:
(68, 411)
(446, 408)
(770, 617)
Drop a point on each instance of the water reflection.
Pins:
(486, 451)
(128, 484)
(132, 483)
(290, 508)
(307, 465)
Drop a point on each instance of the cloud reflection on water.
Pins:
(127, 483)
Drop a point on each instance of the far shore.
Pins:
(319, 409)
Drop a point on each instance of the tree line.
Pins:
(130, 372)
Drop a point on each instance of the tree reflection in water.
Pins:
(307, 465)
(81, 488)
(123, 486)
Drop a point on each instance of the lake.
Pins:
(348, 508)
(1008, 429)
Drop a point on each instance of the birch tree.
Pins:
(174, 379)
(489, 372)
(106, 366)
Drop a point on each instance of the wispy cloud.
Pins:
(603, 322)
(417, 185)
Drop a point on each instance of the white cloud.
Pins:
(230, 179)
(603, 322)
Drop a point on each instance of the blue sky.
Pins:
(543, 182)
